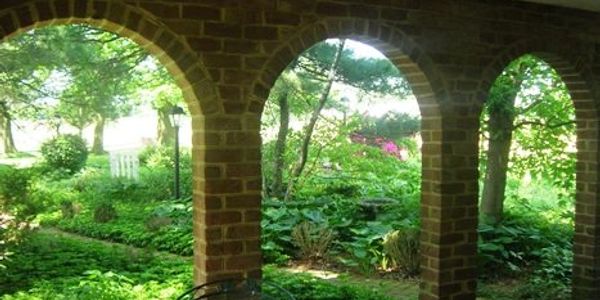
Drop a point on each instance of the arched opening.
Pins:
(84, 81)
(527, 179)
(424, 93)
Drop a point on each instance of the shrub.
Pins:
(16, 208)
(104, 212)
(517, 243)
(313, 240)
(156, 174)
(402, 246)
(68, 152)
(69, 209)
(14, 183)
(155, 223)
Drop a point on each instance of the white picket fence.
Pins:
(125, 163)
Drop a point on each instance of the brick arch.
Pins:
(429, 87)
(170, 49)
(127, 21)
(575, 71)
(400, 49)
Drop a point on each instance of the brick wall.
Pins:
(226, 54)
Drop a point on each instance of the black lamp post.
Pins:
(345, 105)
(176, 114)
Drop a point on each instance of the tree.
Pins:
(391, 125)
(22, 76)
(95, 58)
(280, 145)
(100, 69)
(310, 127)
(306, 89)
(164, 95)
(529, 110)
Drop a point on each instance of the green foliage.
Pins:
(312, 240)
(14, 184)
(356, 170)
(104, 212)
(72, 268)
(157, 172)
(402, 246)
(543, 128)
(366, 247)
(53, 266)
(69, 209)
(519, 242)
(307, 287)
(17, 208)
(370, 74)
(391, 125)
(131, 227)
(67, 152)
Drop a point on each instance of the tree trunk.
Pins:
(165, 130)
(500, 126)
(299, 167)
(98, 146)
(500, 131)
(279, 163)
(8, 142)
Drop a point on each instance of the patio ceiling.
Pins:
(591, 5)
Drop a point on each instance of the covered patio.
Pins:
(226, 56)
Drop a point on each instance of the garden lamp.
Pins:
(176, 116)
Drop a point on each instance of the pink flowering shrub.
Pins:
(386, 145)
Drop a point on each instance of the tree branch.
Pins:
(542, 124)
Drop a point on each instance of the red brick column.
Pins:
(449, 212)
(586, 248)
(227, 198)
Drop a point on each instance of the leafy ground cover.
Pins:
(530, 248)
(134, 226)
(52, 265)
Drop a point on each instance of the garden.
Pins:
(341, 180)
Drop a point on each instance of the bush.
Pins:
(69, 209)
(156, 173)
(17, 209)
(313, 240)
(402, 246)
(518, 242)
(68, 152)
(104, 212)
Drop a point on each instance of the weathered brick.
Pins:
(196, 12)
(222, 30)
(163, 10)
(243, 231)
(282, 18)
(223, 218)
(205, 44)
(261, 32)
(244, 201)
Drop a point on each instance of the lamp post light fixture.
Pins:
(345, 106)
(176, 115)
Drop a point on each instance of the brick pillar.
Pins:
(449, 209)
(586, 248)
(227, 198)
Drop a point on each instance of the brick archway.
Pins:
(575, 72)
(447, 264)
(170, 49)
